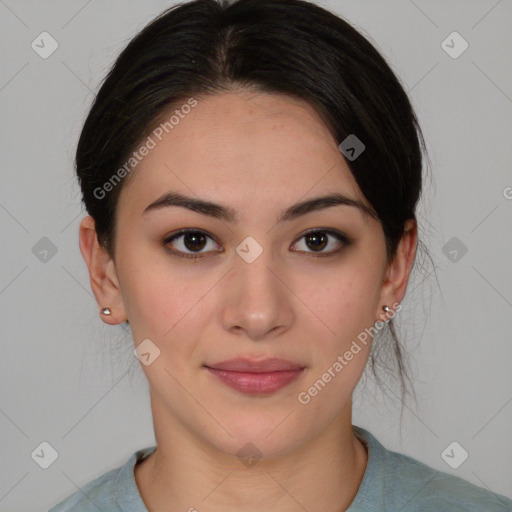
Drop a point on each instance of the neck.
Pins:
(186, 473)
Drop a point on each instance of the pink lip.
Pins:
(242, 364)
(256, 377)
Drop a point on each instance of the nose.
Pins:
(257, 301)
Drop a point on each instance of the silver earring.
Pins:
(106, 311)
(387, 309)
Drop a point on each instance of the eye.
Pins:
(192, 243)
(319, 239)
(192, 240)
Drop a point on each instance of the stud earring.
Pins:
(386, 309)
(106, 311)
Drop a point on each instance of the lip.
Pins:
(255, 377)
(242, 364)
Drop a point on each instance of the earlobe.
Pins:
(102, 273)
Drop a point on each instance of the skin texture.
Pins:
(258, 154)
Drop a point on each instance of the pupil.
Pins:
(318, 239)
(197, 239)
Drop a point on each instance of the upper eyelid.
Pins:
(184, 231)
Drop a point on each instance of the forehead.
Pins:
(242, 148)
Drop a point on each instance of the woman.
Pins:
(251, 171)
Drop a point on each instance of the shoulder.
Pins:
(99, 494)
(429, 489)
(407, 484)
(114, 491)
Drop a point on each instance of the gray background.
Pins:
(63, 373)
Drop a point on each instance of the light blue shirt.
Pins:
(392, 482)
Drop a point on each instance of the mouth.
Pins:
(256, 377)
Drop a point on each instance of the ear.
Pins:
(398, 270)
(102, 272)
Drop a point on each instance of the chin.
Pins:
(255, 436)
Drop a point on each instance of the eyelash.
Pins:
(336, 234)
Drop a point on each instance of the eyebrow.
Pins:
(228, 214)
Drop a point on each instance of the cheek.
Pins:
(163, 299)
(347, 307)
(347, 304)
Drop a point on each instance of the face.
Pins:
(300, 288)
